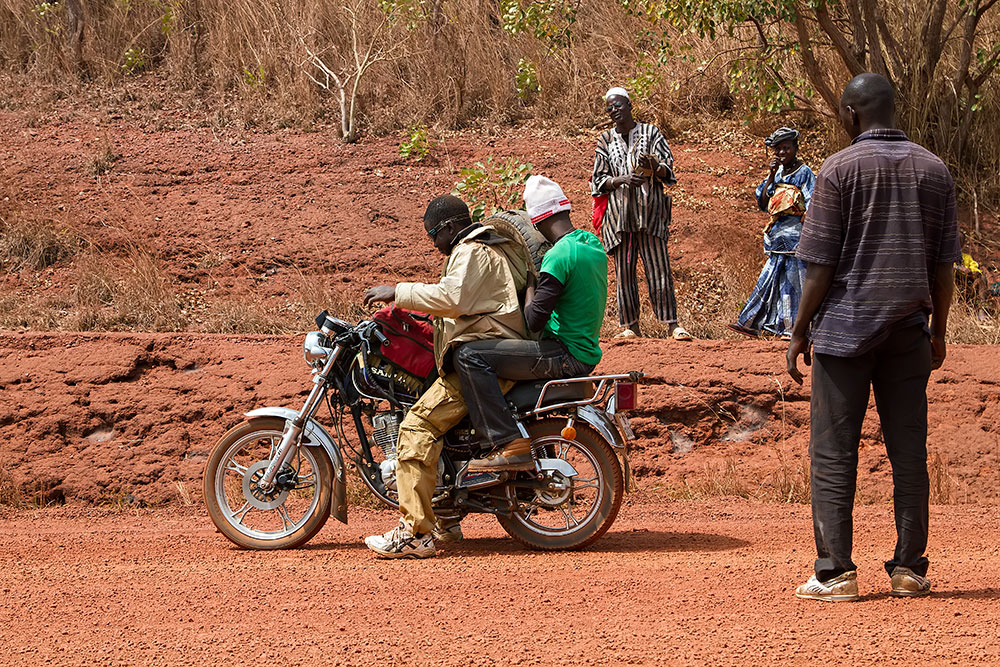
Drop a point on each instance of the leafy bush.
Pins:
(493, 185)
(549, 21)
(526, 79)
(134, 61)
(418, 145)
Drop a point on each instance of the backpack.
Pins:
(411, 339)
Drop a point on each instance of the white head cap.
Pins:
(543, 198)
(620, 92)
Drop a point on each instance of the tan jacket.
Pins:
(478, 296)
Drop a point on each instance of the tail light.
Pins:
(625, 395)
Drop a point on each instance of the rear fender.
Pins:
(601, 423)
(314, 435)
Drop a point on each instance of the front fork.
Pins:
(293, 428)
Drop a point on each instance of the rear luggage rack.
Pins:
(605, 384)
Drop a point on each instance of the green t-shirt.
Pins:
(579, 262)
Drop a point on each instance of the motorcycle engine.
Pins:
(385, 433)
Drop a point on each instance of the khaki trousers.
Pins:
(419, 447)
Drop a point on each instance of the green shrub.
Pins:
(491, 186)
(526, 80)
(418, 145)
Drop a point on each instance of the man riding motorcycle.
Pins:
(477, 298)
(567, 308)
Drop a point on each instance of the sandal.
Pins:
(626, 333)
(680, 333)
(746, 331)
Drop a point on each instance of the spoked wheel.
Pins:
(288, 515)
(563, 512)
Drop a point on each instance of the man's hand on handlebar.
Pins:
(382, 293)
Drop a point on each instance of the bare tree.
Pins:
(77, 21)
(367, 43)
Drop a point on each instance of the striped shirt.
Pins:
(883, 213)
(645, 208)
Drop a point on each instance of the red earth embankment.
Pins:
(106, 417)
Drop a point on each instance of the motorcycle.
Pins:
(272, 481)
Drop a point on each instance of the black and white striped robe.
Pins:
(637, 220)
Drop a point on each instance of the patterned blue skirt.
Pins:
(774, 303)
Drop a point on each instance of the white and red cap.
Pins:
(543, 198)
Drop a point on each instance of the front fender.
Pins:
(314, 435)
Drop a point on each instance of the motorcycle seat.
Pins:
(525, 395)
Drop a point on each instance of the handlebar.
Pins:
(381, 336)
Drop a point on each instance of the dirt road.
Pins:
(672, 583)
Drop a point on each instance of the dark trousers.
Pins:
(659, 279)
(480, 364)
(897, 370)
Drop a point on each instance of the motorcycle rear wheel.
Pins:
(579, 515)
(250, 518)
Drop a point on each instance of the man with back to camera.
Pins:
(567, 308)
(477, 298)
(880, 240)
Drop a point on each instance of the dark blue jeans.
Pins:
(480, 364)
(897, 370)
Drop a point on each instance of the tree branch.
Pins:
(860, 46)
(812, 67)
(876, 59)
(840, 44)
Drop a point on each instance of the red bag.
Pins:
(600, 206)
(411, 339)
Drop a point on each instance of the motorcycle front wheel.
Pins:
(285, 517)
(570, 512)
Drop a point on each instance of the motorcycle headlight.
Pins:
(313, 350)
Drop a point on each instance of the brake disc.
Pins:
(257, 497)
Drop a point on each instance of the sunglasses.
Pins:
(436, 229)
(614, 105)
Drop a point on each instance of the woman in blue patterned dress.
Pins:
(785, 195)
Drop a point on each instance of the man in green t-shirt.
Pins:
(567, 307)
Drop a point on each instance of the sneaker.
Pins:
(448, 530)
(907, 584)
(401, 543)
(842, 588)
(516, 455)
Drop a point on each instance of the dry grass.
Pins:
(11, 493)
(20, 495)
(101, 162)
(973, 321)
(315, 294)
(787, 483)
(35, 244)
(458, 66)
(942, 481)
(717, 479)
(130, 293)
(707, 300)
(454, 66)
(359, 495)
(245, 316)
(184, 493)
